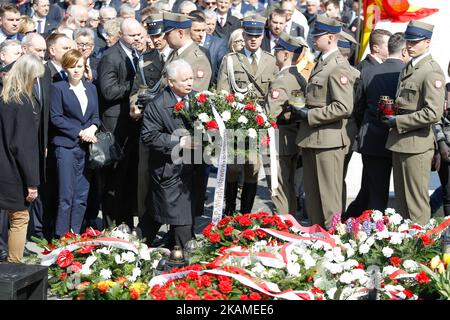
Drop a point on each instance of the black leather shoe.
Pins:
(3, 255)
(164, 241)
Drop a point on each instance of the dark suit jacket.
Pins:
(19, 155)
(93, 63)
(376, 81)
(368, 61)
(115, 80)
(230, 25)
(50, 25)
(217, 49)
(55, 14)
(171, 184)
(66, 115)
(99, 41)
(55, 76)
(297, 30)
(245, 7)
(265, 43)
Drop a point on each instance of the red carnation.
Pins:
(243, 297)
(207, 231)
(228, 231)
(396, 261)
(205, 280)
(408, 293)
(225, 287)
(65, 259)
(214, 237)
(229, 98)
(422, 278)
(360, 266)
(274, 124)
(179, 106)
(426, 240)
(254, 296)
(250, 106)
(212, 125)
(261, 234)
(259, 120)
(249, 234)
(244, 220)
(201, 98)
(316, 290)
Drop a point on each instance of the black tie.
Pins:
(9, 37)
(64, 75)
(135, 60)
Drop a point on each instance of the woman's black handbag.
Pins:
(105, 151)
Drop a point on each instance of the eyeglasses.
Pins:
(210, 3)
(238, 41)
(31, 31)
(85, 45)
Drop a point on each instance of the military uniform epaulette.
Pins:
(268, 53)
(435, 65)
(198, 52)
(340, 59)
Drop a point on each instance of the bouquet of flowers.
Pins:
(99, 265)
(438, 274)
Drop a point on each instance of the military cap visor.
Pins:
(155, 27)
(321, 28)
(289, 46)
(344, 44)
(413, 33)
(172, 21)
(253, 26)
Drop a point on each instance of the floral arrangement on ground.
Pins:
(262, 256)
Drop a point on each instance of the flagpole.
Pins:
(358, 33)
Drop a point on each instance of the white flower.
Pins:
(239, 96)
(136, 272)
(118, 259)
(331, 292)
(370, 241)
(389, 211)
(258, 268)
(103, 250)
(360, 275)
(242, 119)
(396, 238)
(341, 229)
(388, 270)
(410, 265)
(387, 252)
(362, 236)
(259, 109)
(334, 268)
(226, 115)
(349, 250)
(377, 215)
(346, 278)
(129, 256)
(349, 264)
(395, 219)
(318, 245)
(85, 270)
(364, 248)
(403, 227)
(308, 261)
(382, 234)
(144, 253)
(105, 273)
(203, 117)
(89, 261)
(293, 269)
(116, 233)
(252, 133)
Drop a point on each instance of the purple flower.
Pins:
(349, 223)
(379, 225)
(367, 227)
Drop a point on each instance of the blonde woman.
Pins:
(26, 25)
(236, 41)
(19, 154)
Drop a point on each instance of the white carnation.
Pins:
(377, 215)
(293, 269)
(331, 292)
(203, 117)
(103, 250)
(382, 234)
(239, 96)
(226, 115)
(258, 108)
(364, 248)
(362, 236)
(395, 219)
(128, 257)
(403, 227)
(346, 278)
(118, 259)
(396, 238)
(258, 268)
(349, 264)
(105, 273)
(389, 211)
(252, 133)
(387, 252)
(144, 254)
(388, 270)
(243, 119)
(308, 261)
(410, 265)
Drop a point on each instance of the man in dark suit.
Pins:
(292, 28)
(378, 49)
(54, 12)
(226, 22)
(106, 14)
(217, 47)
(276, 23)
(84, 38)
(239, 8)
(172, 182)
(47, 17)
(376, 81)
(35, 44)
(116, 72)
(9, 23)
(57, 45)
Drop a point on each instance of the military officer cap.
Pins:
(346, 40)
(254, 25)
(417, 30)
(324, 25)
(154, 24)
(289, 43)
(174, 21)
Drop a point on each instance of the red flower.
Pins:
(92, 232)
(426, 240)
(365, 215)
(224, 222)
(202, 98)
(416, 227)
(179, 105)
(244, 220)
(69, 235)
(274, 124)
(261, 234)
(360, 266)
(228, 231)
(243, 297)
(225, 287)
(207, 231)
(229, 98)
(134, 294)
(87, 248)
(259, 120)
(254, 296)
(408, 293)
(49, 248)
(249, 234)
(65, 259)
(388, 112)
(63, 276)
(250, 106)
(212, 125)
(422, 278)
(316, 290)
(214, 237)
(76, 266)
(396, 261)
(205, 280)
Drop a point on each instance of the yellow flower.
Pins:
(447, 258)
(441, 268)
(435, 262)
(138, 286)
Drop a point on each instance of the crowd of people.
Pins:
(72, 68)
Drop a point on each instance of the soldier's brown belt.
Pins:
(399, 111)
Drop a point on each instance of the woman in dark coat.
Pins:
(19, 154)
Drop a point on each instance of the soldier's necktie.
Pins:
(254, 63)
(135, 60)
(163, 57)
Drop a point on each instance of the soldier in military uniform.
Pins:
(322, 135)
(247, 72)
(177, 33)
(288, 87)
(419, 104)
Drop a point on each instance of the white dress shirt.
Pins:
(80, 92)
